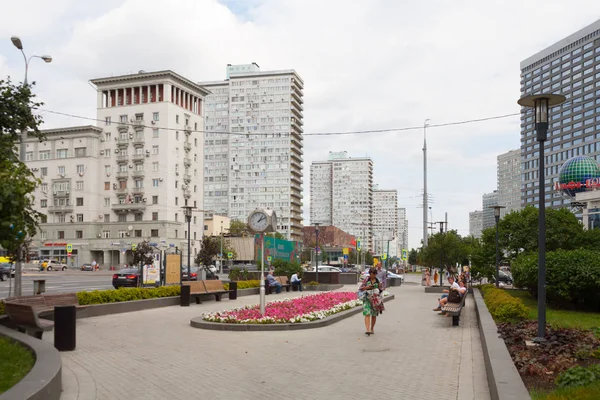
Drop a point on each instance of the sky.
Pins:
(366, 65)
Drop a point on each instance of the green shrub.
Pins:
(286, 268)
(2, 312)
(572, 276)
(126, 294)
(502, 306)
(237, 274)
(244, 285)
(313, 283)
(578, 376)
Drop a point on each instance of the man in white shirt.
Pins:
(296, 281)
(453, 286)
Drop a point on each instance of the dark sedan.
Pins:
(193, 273)
(6, 269)
(126, 277)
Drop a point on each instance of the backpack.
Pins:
(454, 296)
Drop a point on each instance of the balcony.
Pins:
(122, 191)
(187, 178)
(138, 157)
(122, 159)
(137, 190)
(137, 124)
(131, 207)
(187, 194)
(296, 104)
(297, 112)
(187, 146)
(62, 193)
(187, 161)
(139, 140)
(297, 95)
(60, 209)
(138, 174)
(122, 141)
(187, 128)
(122, 126)
(122, 174)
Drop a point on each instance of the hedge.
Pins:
(572, 277)
(244, 285)
(503, 306)
(126, 294)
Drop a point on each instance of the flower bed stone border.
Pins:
(199, 323)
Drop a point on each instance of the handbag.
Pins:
(454, 296)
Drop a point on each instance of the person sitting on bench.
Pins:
(461, 291)
(453, 286)
(273, 283)
(296, 281)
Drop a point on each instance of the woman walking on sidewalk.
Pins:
(372, 301)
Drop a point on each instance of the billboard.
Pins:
(277, 249)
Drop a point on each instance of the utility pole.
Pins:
(425, 206)
(441, 252)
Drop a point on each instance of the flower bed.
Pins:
(297, 310)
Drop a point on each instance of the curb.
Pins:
(44, 381)
(199, 323)
(504, 380)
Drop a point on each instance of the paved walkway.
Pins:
(155, 354)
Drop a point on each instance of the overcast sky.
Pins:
(366, 64)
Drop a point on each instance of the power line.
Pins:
(370, 131)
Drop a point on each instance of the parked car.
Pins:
(193, 273)
(126, 277)
(390, 274)
(87, 267)
(6, 269)
(53, 265)
(329, 268)
(504, 277)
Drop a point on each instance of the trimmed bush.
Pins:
(126, 294)
(2, 312)
(237, 274)
(502, 306)
(572, 276)
(286, 268)
(244, 285)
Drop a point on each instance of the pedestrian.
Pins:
(372, 301)
(381, 276)
(94, 265)
(296, 281)
(435, 277)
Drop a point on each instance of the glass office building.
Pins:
(570, 67)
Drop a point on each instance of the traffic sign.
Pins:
(133, 247)
(404, 254)
(69, 254)
(345, 251)
(69, 248)
(230, 255)
(384, 256)
(346, 257)
(269, 258)
(358, 245)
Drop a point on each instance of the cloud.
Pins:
(366, 65)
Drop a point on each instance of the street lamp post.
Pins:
(221, 257)
(188, 217)
(441, 252)
(16, 41)
(497, 217)
(317, 253)
(541, 104)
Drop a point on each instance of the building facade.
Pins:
(215, 225)
(402, 242)
(489, 200)
(570, 67)
(347, 185)
(385, 219)
(105, 188)
(476, 223)
(509, 181)
(254, 145)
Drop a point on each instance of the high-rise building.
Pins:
(253, 145)
(402, 230)
(346, 184)
(105, 188)
(570, 67)
(385, 218)
(509, 181)
(489, 200)
(476, 223)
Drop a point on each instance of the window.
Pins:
(61, 153)
(176, 184)
(139, 117)
(154, 232)
(154, 216)
(176, 233)
(107, 170)
(195, 142)
(43, 203)
(107, 217)
(44, 171)
(123, 118)
(154, 149)
(61, 218)
(138, 217)
(176, 217)
(122, 234)
(61, 170)
(107, 202)
(155, 132)
(29, 156)
(155, 117)
(105, 234)
(155, 166)
(79, 201)
(154, 199)
(107, 153)
(61, 234)
(44, 187)
(106, 185)
(176, 201)
(45, 155)
(177, 119)
(107, 121)
(78, 234)
(138, 233)
(80, 169)
(176, 135)
(155, 182)
(122, 218)
(80, 151)
(79, 185)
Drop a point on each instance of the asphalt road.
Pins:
(62, 282)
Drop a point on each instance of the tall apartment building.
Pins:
(488, 200)
(476, 223)
(341, 194)
(385, 218)
(253, 145)
(509, 181)
(107, 187)
(570, 67)
(402, 230)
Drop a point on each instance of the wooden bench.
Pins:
(454, 309)
(26, 319)
(45, 303)
(285, 283)
(201, 288)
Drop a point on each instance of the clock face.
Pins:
(258, 222)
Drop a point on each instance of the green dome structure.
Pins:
(575, 175)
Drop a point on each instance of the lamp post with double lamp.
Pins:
(187, 210)
(16, 41)
(541, 104)
(317, 252)
(497, 218)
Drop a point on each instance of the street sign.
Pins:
(220, 255)
(358, 245)
(133, 247)
(375, 261)
(404, 254)
(384, 256)
(230, 255)
(69, 254)
(318, 250)
(269, 258)
(345, 251)
(69, 248)
(345, 257)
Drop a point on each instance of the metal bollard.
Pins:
(39, 286)
(65, 331)
(185, 295)
(232, 290)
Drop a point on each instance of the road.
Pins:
(62, 282)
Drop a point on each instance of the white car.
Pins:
(329, 268)
(389, 275)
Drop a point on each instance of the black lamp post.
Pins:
(497, 217)
(317, 253)
(188, 217)
(541, 104)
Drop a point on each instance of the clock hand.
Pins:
(263, 218)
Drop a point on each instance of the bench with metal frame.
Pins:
(26, 319)
(43, 303)
(454, 309)
(209, 287)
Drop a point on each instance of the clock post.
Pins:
(261, 221)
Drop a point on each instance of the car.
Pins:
(193, 273)
(504, 277)
(390, 274)
(126, 277)
(329, 268)
(53, 265)
(87, 267)
(7, 269)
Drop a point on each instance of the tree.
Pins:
(306, 255)
(324, 256)
(143, 254)
(445, 250)
(238, 228)
(412, 257)
(277, 235)
(18, 219)
(209, 248)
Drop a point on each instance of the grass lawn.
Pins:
(559, 318)
(591, 392)
(15, 363)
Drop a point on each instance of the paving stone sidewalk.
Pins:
(155, 354)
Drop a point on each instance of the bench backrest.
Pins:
(195, 286)
(36, 301)
(282, 279)
(213, 285)
(21, 314)
(62, 299)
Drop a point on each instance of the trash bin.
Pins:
(65, 328)
(39, 286)
(185, 295)
(232, 290)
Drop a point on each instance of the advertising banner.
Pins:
(151, 275)
(277, 249)
(173, 269)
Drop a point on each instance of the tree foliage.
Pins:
(209, 248)
(143, 254)
(445, 250)
(413, 257)
(18, 219)
(238, 228)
